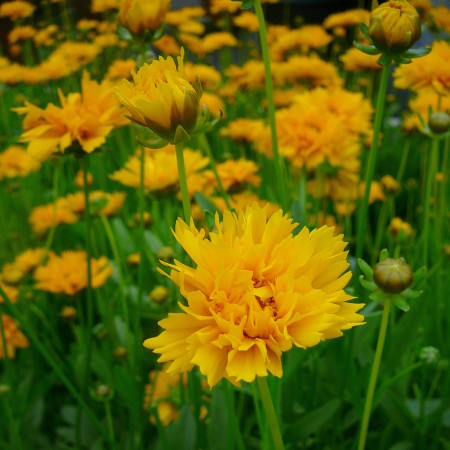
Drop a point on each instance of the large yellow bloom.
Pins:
(431, 72)
(141, 15)
(161, 97)
(67, 274)
(256, 291)
(394, 26)
(16, 9)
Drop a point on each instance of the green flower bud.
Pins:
(439, 122)
(393, 275)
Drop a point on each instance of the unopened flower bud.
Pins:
(393, 275)
(165, 253)
(120, 352)
(439, 122)
(148, 219)
(394, 26)
(159, 294)
(68, 312)
(141, 15)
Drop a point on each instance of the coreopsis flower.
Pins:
(86, 118)
(161, 169)
(87, 24)
(14, 337)
(394, 26)
(44, 37)
(214, 104)
(346, 19)
(45, 217)
(376, 192)
(121, 68)
(16, 162)
(235, 173)
(67, 274)
(432, 72)
(440, 18)
(390, 184)
(24, 264)
(161, 98)
(16, 9)
(355, 60)
(256, 291)
(79, 179)
(247, 20)
(325, 219)
(210, 43)
(243, 130)
(10, 290)
(102, 203)
(400, 230)
(141, 15)
(220, 6)
(21, 34)
(100, 6)
(167, 45)
(303, 39)
(208, 75)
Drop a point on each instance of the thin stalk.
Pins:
(90, 305)
(49, 240)
(183, 183)
(374, 376)
(280, 179)
(379, 231)
(431, 178)
(270, 412)
(205, 144)
(109, 421)
(37, 343)
(141, 242)
(364, 206)
(405, 154)
(233, 429)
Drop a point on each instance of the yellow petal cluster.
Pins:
(161, 97)
(85, 118)
(255, 291)
(16, 162)
(14, 337)
(17, 9)
(67, 274)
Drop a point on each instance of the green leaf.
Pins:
(368, 49)
(384, 254)
(205, 203)
(411, 293)
(153, 241)
(182, 434)
(124, 33)
(378, 296)
(312, 422)
(366, 269)
(400, 303)
(217, 427)
(369, 285)
(247, 4)
(420, 273)
(123, 235)
(417, 52)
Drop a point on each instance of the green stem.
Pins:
(270, 411)
(405, 154)
(90, 305)
(364, 205)
(49, 240)
(374, 376)
(380, 231)
(233, 426)
(280, 179)
(431, 178)
(109, 421)
(141, 241)
(183, 183)
(37, 343)
(205, 144)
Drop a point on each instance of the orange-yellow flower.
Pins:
(348, 18)
(16, 162)
(354, 60)
(16, 9)
(141, 15)
(14, 337)
(67, 274)
(256, 291)
(161, 97)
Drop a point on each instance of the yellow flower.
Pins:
(14, 337)
(21, 34)
(99, 6)
(394, 26)
(161, 169)
(67, 274)
(86, 118)
(11, 291)
(16, 162)
(346, 19)
(256, 291)
(247, 20)
(304, 38)
(16, 9)
(210, 43)
(208, 75)
(44, 217)
(354, 61)
(141, 15)
(235, 173)
(161, 98)
(219, 6)
(440, 18)
(375, 194)
(22, 265)
(167, 45)
(431, 72)
(400, 230)
(214, 103)
(243, 130)
(390, 184)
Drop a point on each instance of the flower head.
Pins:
(16, 9)
(141, 15)
(394, 26)
(67, 274)
(256, 290)
(161, 98)
(14, 337)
